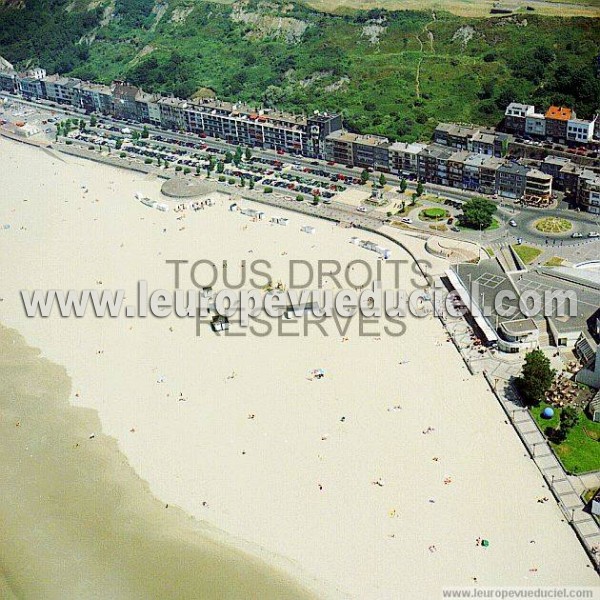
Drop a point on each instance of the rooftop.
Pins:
(513, 167)
(411, 148)
(537, 174)
(559, 113)
(556, 160)
(484, 138)
(436, 151)
(457, 130)
(355, 138)
(519, 326)
(516, 106)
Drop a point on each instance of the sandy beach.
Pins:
(373, 482)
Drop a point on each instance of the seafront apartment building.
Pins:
(466, 157)
(234, 123)
(558, 124)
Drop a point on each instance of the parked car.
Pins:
(593, 234)
(362, 209)
(406, 220)
(512, 223)
(577, 234)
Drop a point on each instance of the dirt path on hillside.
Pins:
(430, 38)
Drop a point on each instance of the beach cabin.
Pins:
(373, 247)
(219, 323)
(280, 221)
(308, 229)
(162, 207)
(259, 215)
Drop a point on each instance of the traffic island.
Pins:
(553, 225)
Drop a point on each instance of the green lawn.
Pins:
(555, 261)
(433, 214)
(495, 225)
(526, 253)
(580, 452)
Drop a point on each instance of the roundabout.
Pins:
(553, 225)
(433, 214)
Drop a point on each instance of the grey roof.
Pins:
(513, 167)
(520, 326)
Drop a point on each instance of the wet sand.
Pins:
(77, 522)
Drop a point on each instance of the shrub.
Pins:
(268, 190)
(221, 178)
(186, 171)
(147, 161)
(122, 155)
(178, 168)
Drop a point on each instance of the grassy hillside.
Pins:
(393, 73)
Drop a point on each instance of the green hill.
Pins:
(392, 73)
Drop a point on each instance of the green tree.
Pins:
(210, 166)
(237, 159)
(248, 154)
(93, 121)
(478, 213)
(228, 157)
(118, 144)
(403, 185)
(220, 166)
(364, 176)
(251, 183)
(569, 417)
(419, 189)
(145, 132)
(536, 378)
(242, 182)
(382, 180)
